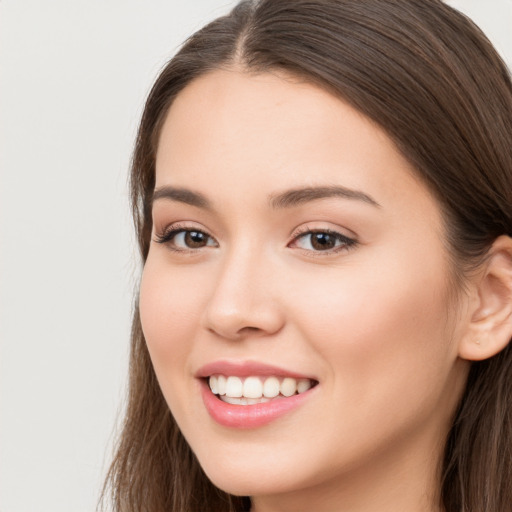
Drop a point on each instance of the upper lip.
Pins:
(247, 369)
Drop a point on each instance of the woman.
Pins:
(322, 191)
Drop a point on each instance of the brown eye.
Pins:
(186, 239)
(323, 241)
(195, 239)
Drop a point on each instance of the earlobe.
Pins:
(490, 325)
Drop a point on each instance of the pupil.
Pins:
(195, 239)
(323, 241)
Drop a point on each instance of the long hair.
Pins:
(429, 77)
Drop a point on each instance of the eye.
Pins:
(184, 239)
(322, 241)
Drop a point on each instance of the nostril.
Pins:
(249, 329)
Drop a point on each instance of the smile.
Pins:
(248, 395)
(254, 390)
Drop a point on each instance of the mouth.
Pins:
(253, 389)
(250, 395)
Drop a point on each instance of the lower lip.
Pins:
(249, 416)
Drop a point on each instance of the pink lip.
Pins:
(248, 416)
(246, 369)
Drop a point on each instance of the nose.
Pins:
(244, 300)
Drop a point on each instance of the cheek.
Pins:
(170, 305)
(381, 326)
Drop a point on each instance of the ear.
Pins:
(490, 316)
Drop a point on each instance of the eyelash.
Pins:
(170, 233)
(346, 242)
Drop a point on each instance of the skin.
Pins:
(375, 323)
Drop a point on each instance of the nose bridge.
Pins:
(242, 300)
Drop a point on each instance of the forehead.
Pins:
(245, 133)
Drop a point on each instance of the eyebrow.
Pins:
(182, 195)
(287, 199)
(300, 196)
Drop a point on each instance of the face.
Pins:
(294, 252)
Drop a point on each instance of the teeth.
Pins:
(234, 387)
(288, 386)
(250, 390)
(221, 385)
(214, 384)
(271, 387)
(244, 401)
(253, 388)
(303, 385)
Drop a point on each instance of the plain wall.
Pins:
(73, 78)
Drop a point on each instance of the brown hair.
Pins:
(429, 77)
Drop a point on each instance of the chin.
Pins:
(248, 485)
(246, 479)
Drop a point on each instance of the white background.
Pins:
(73, 78)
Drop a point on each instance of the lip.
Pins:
(248, 416)
(247, 369)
